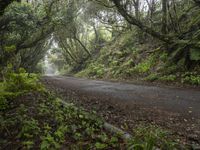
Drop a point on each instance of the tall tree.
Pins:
(164, 16)
(134, 21)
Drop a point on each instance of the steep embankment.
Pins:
(126, 58)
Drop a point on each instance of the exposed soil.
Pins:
(128, 105)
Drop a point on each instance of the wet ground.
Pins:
(124, 104)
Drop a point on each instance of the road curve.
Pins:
(177, 100)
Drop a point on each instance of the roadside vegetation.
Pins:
(153, 40)
(34, 118)
(119, 61)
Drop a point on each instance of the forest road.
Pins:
(176, 100)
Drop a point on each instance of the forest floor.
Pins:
(128, 105)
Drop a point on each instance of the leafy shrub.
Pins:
(191, 78)
(145, 66)
(142, 67)
(16, 84)
(22, 82)
(30, 128)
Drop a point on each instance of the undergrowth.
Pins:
(124, 59)
(33, 118)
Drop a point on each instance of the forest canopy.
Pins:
(81, 28)
(46, 45)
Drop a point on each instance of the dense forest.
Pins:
(144, 40)
(145, 37)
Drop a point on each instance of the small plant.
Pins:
(142, 67)
(30, 128)
(49, 142)
(145, 66)
(190, 78)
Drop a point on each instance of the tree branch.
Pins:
(132, 20)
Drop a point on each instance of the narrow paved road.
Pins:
(177, 100)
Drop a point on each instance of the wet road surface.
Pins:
(177, 100)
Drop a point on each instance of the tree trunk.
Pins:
(69, 53)
(164, 16)
(137, 11)
(86, 50)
